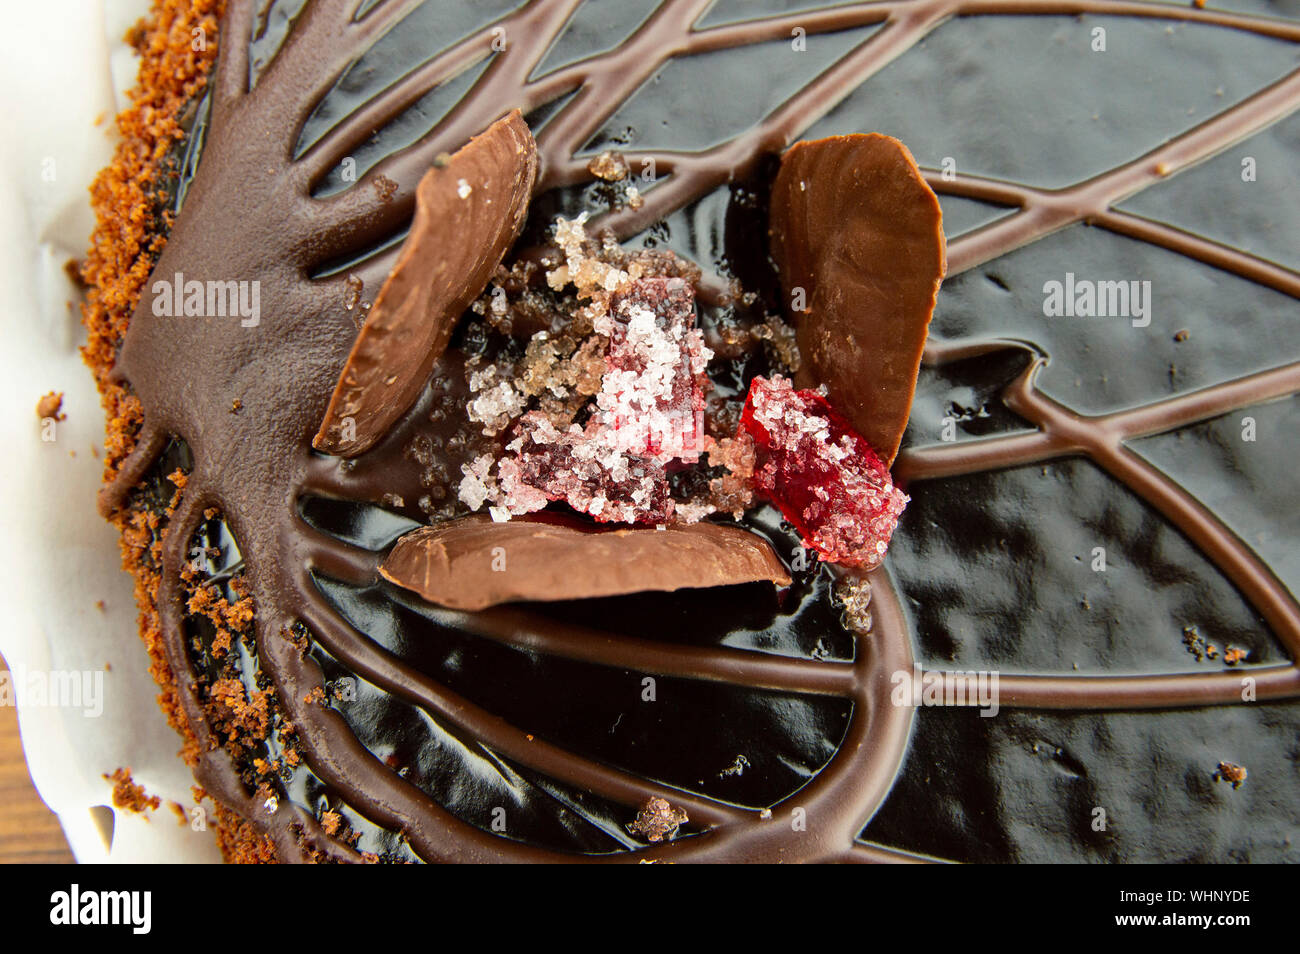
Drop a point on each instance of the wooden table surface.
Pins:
(29, 832)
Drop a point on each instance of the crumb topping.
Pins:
(50, 406)
(129, 795)
(128, 198)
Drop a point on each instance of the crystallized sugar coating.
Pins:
(648, 412)
(610, 166)
(477, 486)
(781, 338)
(853, 593)
(609, 394)
(496, 402)
(825, 477)
(652, 398)
(734, 453)
(575, 465)
(586, 272)
(561, 368)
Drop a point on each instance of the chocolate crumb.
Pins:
(316, 696)
(1231, 772)
(658, 820)
(1198, 645)
(384, 188)
(50, 405)
(72, 268)
(127, 794)
(1182, 335)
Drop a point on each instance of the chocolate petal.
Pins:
(467, 215)
(855, 225)
(474, 563)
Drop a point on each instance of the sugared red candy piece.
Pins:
(576, 466)
(649, 412)
(651, 400)
(821, 473)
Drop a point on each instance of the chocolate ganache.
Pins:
(536, 731)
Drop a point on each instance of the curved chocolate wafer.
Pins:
(474, 563)
(468, 213)
(858, 236)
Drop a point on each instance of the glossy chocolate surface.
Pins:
(1071, 433)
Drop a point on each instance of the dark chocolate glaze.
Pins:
(255, 210)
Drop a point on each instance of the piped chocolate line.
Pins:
(1044, 211)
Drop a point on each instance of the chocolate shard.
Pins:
(856, 227)
(474, 563)
(468, 213)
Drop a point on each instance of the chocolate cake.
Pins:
(635, 299)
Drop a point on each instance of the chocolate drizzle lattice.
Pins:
(250, 213)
